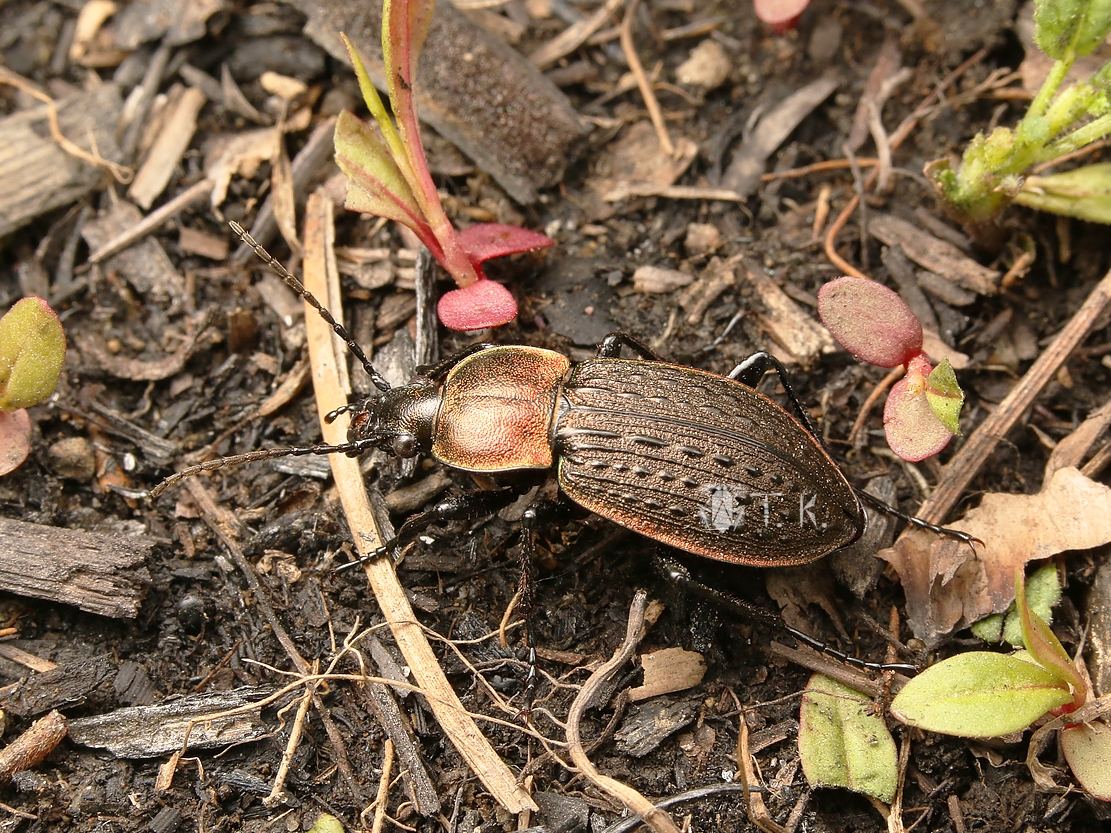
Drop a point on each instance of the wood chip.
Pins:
(32, 747)
(655, 279)
(150, 731)
(748, 163)
(667, 671)
(196, 242)
(788, 323)
(938, 256)
(144, 265)
(36, 175)
(175, 136)
(103, 574)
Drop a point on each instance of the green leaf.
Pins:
(1043, 592)
(1087, 748)
(1084, 193)
(979, 695)
(945, 396)
(32, 349)
(326, 823)
(843, 743)
(1076, 26)
(990, 628)
(1045, 647)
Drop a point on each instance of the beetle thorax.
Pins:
(403, 418)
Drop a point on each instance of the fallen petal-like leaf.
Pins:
(483, 304)
(782, 14)
(489, 240)
(870, 321)
(1087, 748)
(843, 742)
(15, 440)
(979, 695)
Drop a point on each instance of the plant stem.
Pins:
(1082, 136)
(1050, 86)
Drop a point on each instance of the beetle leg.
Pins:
(611, 345)
(875, 502)
(755, 367)
(541, 512)
(673, 571)
(458, 508)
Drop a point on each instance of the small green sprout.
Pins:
(1058, 122)
(981, 695)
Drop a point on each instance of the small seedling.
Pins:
(32, 349)
(990, 174)
(874, 324)
(981, 695)
(388, 176)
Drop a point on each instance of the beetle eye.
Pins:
(405, 445)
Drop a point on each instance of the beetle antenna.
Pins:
(351, 448)
(352, 345)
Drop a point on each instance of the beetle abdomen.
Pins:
(496, 410)
(700, 462)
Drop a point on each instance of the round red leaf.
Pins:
(870, 321)
(483, 304)
(913, 430)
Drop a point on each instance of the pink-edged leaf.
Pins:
(483, 304)
(405, 25)
(781, 14)
(1045, 647)
(1087, 748)
(377, 108)
(364, 156)
(913, 430)
(15, 439)
(870, 321)
(489, 240)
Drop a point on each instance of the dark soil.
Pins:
(200, 628)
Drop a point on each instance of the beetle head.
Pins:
(399, 420)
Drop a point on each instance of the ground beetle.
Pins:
(701, 462)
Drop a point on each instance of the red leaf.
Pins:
(913, 430)
(781, 14)
(478, 306)
(489, 240)
(15, 439)
(870, 321)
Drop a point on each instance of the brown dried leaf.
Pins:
(239, 153)
(948, 586)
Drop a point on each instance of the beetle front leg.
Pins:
(611, 345)
(459, 508)
(540, 513)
